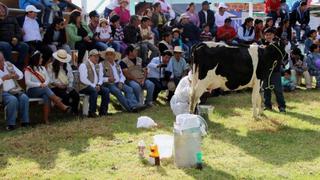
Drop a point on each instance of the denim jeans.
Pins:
(38, 92)
(158, 87)
(54, 48)
(137, 89)
(128, 100)
(93, 96)
(14, 105)
(101, 46)
(298, 29)
(275, 80)
(68, 98)
(21, 47)
(145, 46)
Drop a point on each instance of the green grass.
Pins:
(279, 146)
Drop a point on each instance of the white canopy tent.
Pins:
(99, 5)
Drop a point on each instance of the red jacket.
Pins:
(226, 33)
(272, 5)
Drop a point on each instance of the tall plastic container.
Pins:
(188, 132)
(186, 147)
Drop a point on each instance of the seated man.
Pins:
(226, 32)
(299, 67)
(302, 16)
(13, 97)
(10, 37)
(132, 35)
(157, 73)
(178, 67)
(135, 72)
(246, 32)
(115, 82)
(91, 79)
(32, 29)
(313, 62)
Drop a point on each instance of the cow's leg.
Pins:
(256, 99)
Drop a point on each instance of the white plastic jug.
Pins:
(165, 145)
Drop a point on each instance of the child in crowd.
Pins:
(312, 37)
(104, 36)
(117, 32)
(287, 81)
(145, 30)
(206, 34)
(177, 41)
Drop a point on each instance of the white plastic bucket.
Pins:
(205, 111)
(165, 145)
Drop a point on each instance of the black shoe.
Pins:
(139, 108)
(282, 109)
(92, 115)
(105, 114)
(25, 125)
(10, 128)
(268, 108)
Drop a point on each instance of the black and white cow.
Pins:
(217, 65)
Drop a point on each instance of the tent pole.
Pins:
(250, 9)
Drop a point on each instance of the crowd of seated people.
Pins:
(123, 55)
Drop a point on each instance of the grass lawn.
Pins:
(278, 146)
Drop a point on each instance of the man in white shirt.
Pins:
(115, 81)
(91, 80)
(158, 74)
(14, 99)
(221, 15)
(31, 28)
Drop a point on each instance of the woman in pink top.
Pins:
(193, 16)
(122, 12)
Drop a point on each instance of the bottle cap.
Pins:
(141, 143)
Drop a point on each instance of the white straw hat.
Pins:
(62, 56)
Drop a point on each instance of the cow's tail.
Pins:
(192, 97)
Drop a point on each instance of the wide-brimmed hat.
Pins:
(176, 30)
(178, 49)
(32, 8)
(103, 20)
(93, 52)
(184, 16)
(62, 56)
(110, 50)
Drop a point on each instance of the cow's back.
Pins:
(236, 65)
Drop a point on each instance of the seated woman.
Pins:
(299, 67)
(37, 80)
(55, 36)
(61, 79)
(79, 35)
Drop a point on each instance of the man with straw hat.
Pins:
(178, 65)
(114, 80)
(61, 79)
(91, 80)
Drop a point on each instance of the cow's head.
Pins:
(270, 57)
